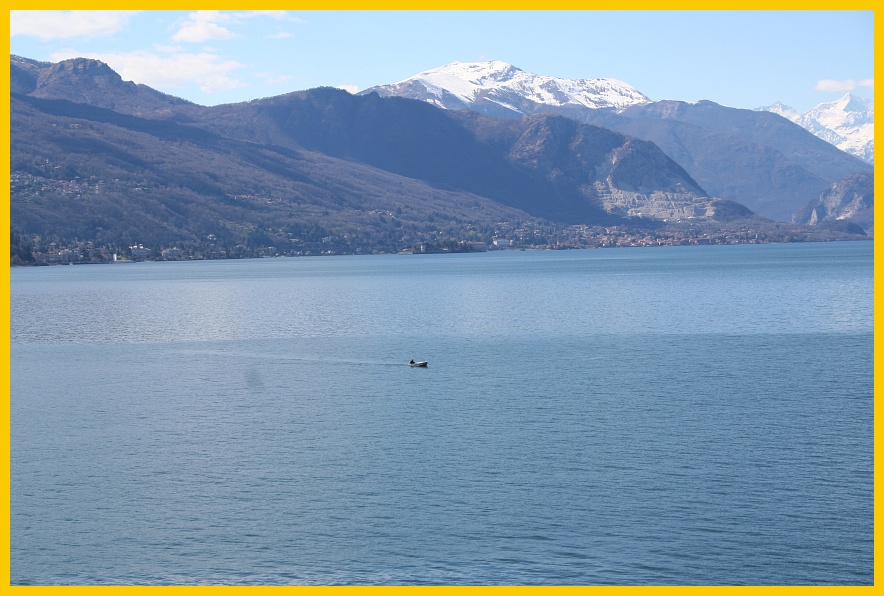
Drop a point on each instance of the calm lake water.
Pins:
(686, 415)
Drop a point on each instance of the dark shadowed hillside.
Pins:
(547, 166)
(86, 172)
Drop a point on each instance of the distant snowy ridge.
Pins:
(501, 86)
(848, 123)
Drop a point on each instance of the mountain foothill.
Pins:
(109, 163)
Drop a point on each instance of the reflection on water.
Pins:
(580, 292)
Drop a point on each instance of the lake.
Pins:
(647, 416)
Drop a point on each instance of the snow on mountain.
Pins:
(848, 123)
(497, 85)
(783, 110)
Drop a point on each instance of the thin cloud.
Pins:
(281, 35)
(277, 15)
(67, 24)
(169, 49)
(203, 25)
(209, 71)
(841, 86)
(271, 79)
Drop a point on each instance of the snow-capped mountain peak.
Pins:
(848, 123)
(499, 87)
(465, 80)
(783, 110)
(848, 111)
(476, 73)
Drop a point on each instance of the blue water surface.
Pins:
(653, 416)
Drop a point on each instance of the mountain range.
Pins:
(848, 123)
(96, 158)
(112, 161)
(500, 89)
(760, 159)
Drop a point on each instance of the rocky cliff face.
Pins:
(627, 176)
(851, 199)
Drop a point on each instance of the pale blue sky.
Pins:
(743, 59)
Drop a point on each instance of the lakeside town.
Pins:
(506, 236)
